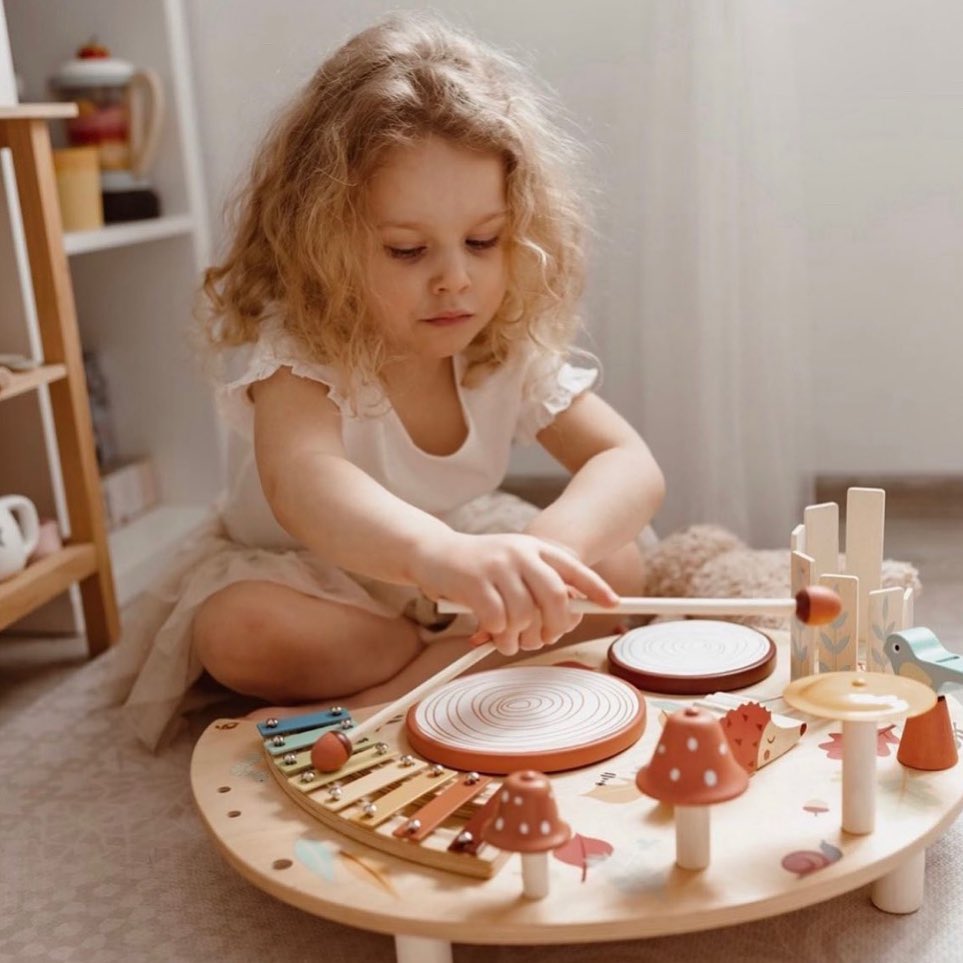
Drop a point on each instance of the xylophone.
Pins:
(429, 808)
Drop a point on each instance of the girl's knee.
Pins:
(230, 635)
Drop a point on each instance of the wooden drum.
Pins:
(550, 718)
(693, 657)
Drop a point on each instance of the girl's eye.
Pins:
(404, 253)
(483, 245)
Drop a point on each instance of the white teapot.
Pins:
(19, 531)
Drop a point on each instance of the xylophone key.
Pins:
(280, 743)
(310, 720)
(427, 819)
(428, 781)
(310, 780)
(469, 840)
(374, 781)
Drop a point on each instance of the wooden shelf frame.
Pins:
(44, 580)
(24, 131)
(24, 381)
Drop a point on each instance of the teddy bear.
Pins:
(708, 561)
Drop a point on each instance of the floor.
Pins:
(925, 532)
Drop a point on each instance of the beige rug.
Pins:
(104, 859)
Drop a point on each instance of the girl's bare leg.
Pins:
(273, 642)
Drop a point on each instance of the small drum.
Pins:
(549, 718)
(692, 657)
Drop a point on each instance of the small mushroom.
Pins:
(525, 820)
(859, 700)
(692, 768)
(928, 741)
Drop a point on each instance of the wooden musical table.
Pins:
(779, 847)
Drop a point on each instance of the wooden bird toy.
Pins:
(918, 654)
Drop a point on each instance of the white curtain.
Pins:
(720, 356)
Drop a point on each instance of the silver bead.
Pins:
(412, 826)
(271, 723)
(436, 770)
(369, 808)
(336, 710)
(308, 775)
(381, 748)
(289, 759)
(347, 724)
(464, 838)
(406, 761)
(472, 778)
(334, 792)
(277, 740)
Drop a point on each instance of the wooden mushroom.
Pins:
(928, 741)
(526, 821)
(692, 768)
(860, 701)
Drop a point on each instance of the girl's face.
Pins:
(437, 269)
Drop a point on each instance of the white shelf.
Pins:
(133, 232)
(140, 552)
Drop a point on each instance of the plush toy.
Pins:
(707, 561)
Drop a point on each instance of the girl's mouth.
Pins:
(449, 318)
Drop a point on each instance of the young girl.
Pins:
(402, 284)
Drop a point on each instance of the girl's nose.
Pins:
(452, 274)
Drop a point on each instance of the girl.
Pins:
(402, 285)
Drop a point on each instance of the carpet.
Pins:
(104, 860)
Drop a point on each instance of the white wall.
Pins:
(881, 107)
(881, 98)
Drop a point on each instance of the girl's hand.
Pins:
(518, 586)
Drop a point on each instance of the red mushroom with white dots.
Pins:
(691, 769)
(526, 821)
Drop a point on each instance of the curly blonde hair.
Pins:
(299, 221)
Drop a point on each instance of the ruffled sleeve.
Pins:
(274, 349)
(548, 388)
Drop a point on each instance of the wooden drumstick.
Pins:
(334, 748)
(815, 605)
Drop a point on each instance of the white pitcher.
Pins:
(19, 531)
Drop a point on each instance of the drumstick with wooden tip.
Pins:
(814, 605)
(334, 748)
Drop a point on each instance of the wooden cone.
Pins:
(928, 740)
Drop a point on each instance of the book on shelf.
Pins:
(129, 489)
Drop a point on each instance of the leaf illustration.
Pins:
(364, 870)
(830, 852)
(616, 791)
(878, 632)
(582, 850)
(841, 621)
(317, 856)
(884, 739)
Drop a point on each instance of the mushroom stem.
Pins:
(535, 875)
(692, 836)
(859, 777)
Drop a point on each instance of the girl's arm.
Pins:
(343, 515)
(616, 487)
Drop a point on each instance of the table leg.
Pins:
(901, 889)
(422, 949)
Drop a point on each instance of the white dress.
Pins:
(158, 666)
